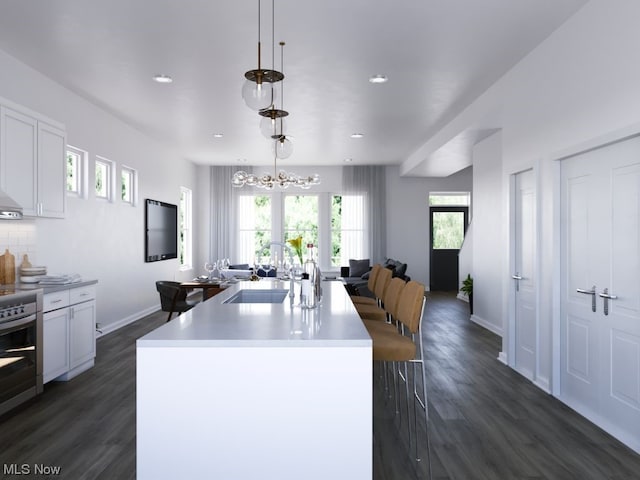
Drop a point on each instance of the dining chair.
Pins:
(173, 298)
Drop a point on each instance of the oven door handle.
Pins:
(17, 323)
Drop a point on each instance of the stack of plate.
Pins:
(31, 274)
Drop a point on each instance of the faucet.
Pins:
(280, 244)
(290, 250)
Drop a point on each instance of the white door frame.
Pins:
(510, 336)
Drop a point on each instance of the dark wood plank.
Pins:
(486, 421)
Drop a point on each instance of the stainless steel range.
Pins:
(20, 346)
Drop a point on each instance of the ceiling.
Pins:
(439, 55)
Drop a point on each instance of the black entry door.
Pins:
(448, 226)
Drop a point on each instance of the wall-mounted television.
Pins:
(161, 231)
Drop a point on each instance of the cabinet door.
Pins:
(51, 171)
(55, 349)
(82, 333)
(18, 161)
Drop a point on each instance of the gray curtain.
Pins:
(370, 181)
(222, 243)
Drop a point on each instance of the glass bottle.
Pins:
(310, 272)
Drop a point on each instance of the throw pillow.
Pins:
(357, 268)
(400, 270)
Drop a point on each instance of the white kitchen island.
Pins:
(257, 390)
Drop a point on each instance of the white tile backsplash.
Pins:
(19, 236)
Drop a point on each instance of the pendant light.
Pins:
(257, 91)
(272, 124)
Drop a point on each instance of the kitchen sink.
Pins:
(258, 296)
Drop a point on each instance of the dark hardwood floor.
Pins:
(486, 421)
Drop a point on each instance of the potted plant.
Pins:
(467, 289)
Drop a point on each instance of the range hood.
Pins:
(9, 208)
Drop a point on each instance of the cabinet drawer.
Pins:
(82, 294)
(55, 300)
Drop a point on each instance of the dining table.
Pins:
(209, 288)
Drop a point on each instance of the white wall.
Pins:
(489, 235)
(408, 234)
(100, 240)
(578, 89)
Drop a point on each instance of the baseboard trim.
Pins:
(112, 327)
(542, 384)
(489, 326)
(629, 440)
(502, 358)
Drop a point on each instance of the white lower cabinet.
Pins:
(55, 355)
(82, 334)
(69, 332)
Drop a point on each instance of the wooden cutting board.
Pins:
(7, 268)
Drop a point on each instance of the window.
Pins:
(347, 229)
(301, 218)
(335, 224)
(185, 240)
(449, 199)
(254, 225)
(448, 228)
(104, 178)
(76, 172)
(129, 179)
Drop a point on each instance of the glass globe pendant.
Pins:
(257, 90)
(257, 96)
(283, 147)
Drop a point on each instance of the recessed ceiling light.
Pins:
(378, 79)
(218, 135)
(242, 159)
(161, 78)
(357, 135)
(348, 160)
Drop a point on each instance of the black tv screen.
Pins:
(161, 227)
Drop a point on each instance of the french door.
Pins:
(600, 289)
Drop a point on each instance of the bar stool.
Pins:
(389, 302)
(382, 282)
(371, 283)
(405, 347)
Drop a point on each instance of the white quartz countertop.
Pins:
(333, 323)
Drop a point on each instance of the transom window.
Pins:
(450, 199)
(129, 178)
(104, 178)
(76, 172)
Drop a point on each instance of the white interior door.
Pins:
(600, 337)
(526, 344)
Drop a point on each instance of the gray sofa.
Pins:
(356, 275)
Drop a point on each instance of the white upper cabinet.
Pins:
(51, 170)
(32, 163)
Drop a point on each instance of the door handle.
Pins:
(517, 278)
(607, 296)
(591, 292)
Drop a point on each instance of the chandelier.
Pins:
(267, 181)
